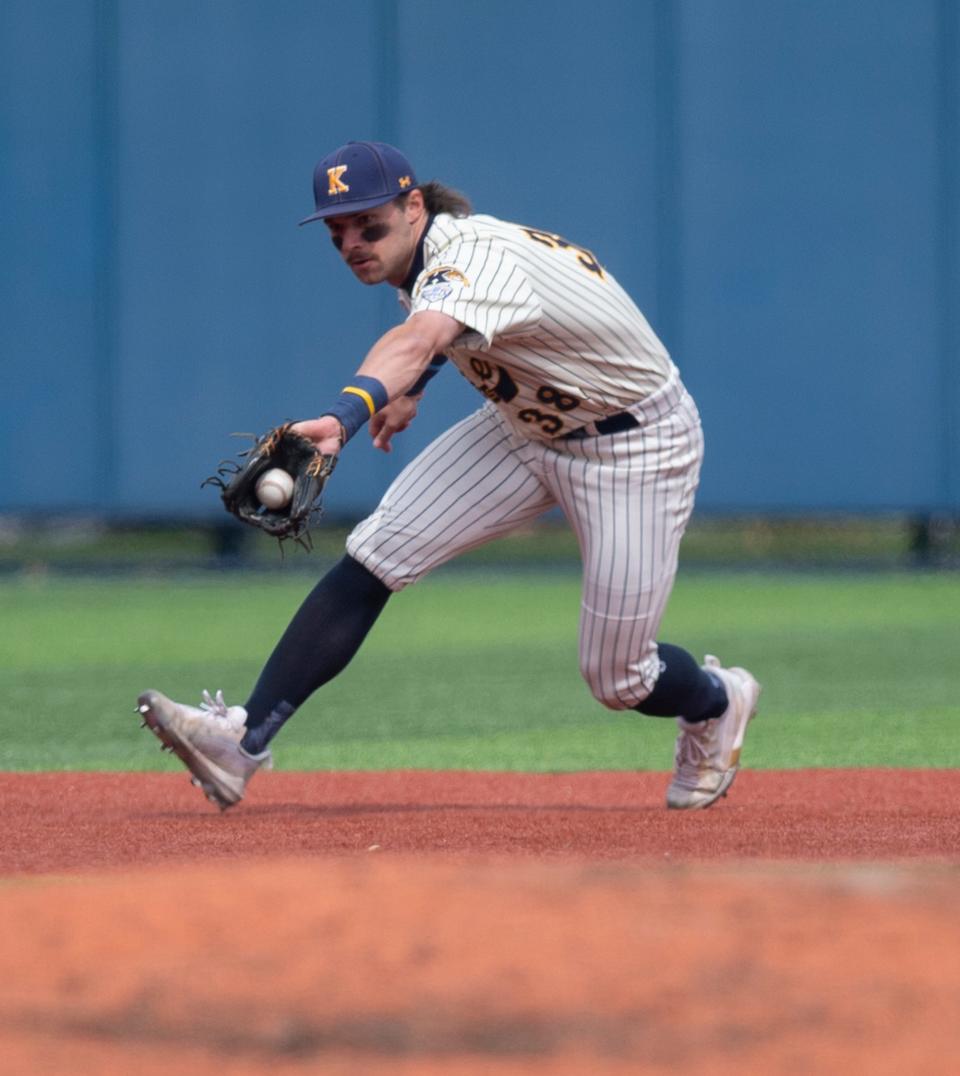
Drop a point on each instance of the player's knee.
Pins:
(366, 546)
(608, 690)
(622, 688)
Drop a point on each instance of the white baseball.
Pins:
(274, 488)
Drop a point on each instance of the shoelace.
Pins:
(216, 708)
(693, 748)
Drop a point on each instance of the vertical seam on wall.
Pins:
(668, 175)
(387, 75)
(105, 358)
(948, 27)
(386, 28)
(386, 84)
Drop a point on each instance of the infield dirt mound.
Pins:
(479, 924)
(399, 964)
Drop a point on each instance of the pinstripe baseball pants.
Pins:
(628, 497)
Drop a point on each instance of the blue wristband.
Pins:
(358, 403)
(430, 372)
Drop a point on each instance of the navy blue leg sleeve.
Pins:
(684, 689)
(319, 642)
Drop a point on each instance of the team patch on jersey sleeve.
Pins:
(439, 283)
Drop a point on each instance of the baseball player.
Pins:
(583, 409)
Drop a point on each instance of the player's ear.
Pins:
(414, 205)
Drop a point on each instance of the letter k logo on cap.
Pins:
(336, 184)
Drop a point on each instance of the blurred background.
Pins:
(777, 183)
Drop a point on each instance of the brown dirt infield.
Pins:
(480, 923)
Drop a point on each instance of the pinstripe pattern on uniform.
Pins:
(536, 317)
(516, 309)
(471, 485)
(549, 321)
(628, 497)
(638, 513)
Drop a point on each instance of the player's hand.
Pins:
(325, 432)
(395, 417)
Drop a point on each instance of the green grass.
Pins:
(479, 670)
(828, 542)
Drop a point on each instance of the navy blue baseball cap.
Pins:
(358, 176)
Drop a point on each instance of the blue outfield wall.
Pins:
(777, 182)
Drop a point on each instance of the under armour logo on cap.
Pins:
(358, 176)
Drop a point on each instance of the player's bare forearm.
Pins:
(392, 366)
(401, 355)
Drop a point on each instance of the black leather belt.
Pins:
(617, 423)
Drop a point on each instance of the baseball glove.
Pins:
(291, 452)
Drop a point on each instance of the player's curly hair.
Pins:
(441, 199)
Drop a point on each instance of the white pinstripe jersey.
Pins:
(550, 337)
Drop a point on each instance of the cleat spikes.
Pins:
(207, 741)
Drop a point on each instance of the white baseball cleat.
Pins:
(707, 754)
(207, 740)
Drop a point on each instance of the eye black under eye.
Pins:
(337, 241)
(374, 232)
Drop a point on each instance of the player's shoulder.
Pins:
(446, 228)
(448, 232)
